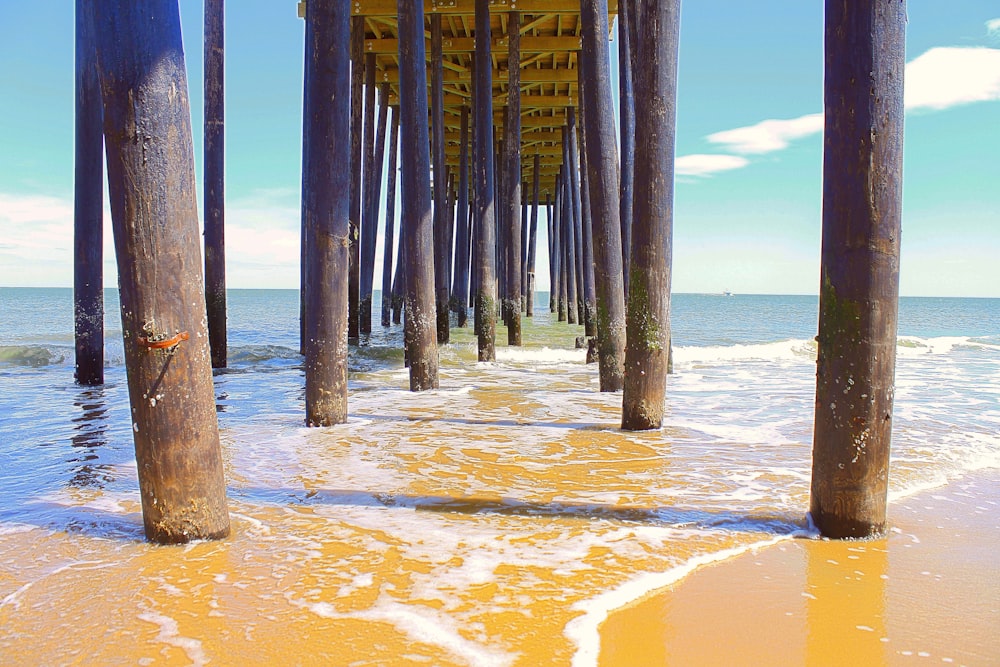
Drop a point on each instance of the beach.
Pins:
(505, 518)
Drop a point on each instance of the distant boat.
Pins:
(726, 293)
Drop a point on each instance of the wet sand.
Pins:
(929, 593)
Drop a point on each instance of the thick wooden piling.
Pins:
(626, 107)
(151, 178)
(485, 232)
(648, 311)
(390, 221)
(369, 219)
(859, 290)
(511, 301)
(460, 286)
(441, 248)
(529, 297)
(603, 189)
(88, 207)
(326, 202)
(215, 180)
(357, 164)
(417, 221)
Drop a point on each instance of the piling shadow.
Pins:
(674, 517)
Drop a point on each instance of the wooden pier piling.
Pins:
(326, 202)
(357, 164)
(648, 310)
(417, 216)
(859, 290)
(215, 181)
(485, 233)
(511, 301)
(151, 178)
(440, 183)
(88, 207)
(529, 302)
(390, 221)
(460, 286)
(603, 185)
(626, 109)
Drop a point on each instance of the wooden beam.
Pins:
(465, 7)
(529, 75)
(449, 45)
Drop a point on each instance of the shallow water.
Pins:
(494, 521)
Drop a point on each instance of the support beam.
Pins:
(859, 290)
(215, 180)
(511, 301)
(357, 136)
(369, 220)
(570, 201)
(88, 208)
(648, 312)
(626, 106)
(155, 219)
(486, 283)
(603, 189)
(587, 242)
(440, 184)
(460, 287)
(576, 216)
(326, 202)
(418, 223)
(529, 305)
(390, 220)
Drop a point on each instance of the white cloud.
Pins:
(993, 27)
(706, 165)
(768, 135)
(948, 76)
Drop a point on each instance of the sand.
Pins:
(928, 593)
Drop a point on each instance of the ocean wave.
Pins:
(785, 350)
(254, 354)
(34, 356)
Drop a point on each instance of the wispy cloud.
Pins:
(938, 79)
(706, 165)
(993, 27)
(949, 76)
(768, 135)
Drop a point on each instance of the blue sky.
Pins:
(749, 145)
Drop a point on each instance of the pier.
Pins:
(520, 93)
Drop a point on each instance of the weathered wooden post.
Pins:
(417, 222)
(357, 164)
(88, 208)
(529, 302)
(326, 202)
(859, 291)
(440, 182)
(570, 205)
(390, 220)
(557, 251)
(626, 107)
(648, 311)
(511, 301)
(460, 286)
(577, 214)
(373, 191)
(602, 180)
(485, 200)
(586, 237)
(215, 180)
(151, 177)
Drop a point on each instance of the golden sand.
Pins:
(929, 593)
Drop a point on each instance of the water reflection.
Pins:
(90, 433)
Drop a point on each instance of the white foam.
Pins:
(543, 355)
(170, 634)
(583, 630)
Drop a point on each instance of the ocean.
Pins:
(494, 521)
